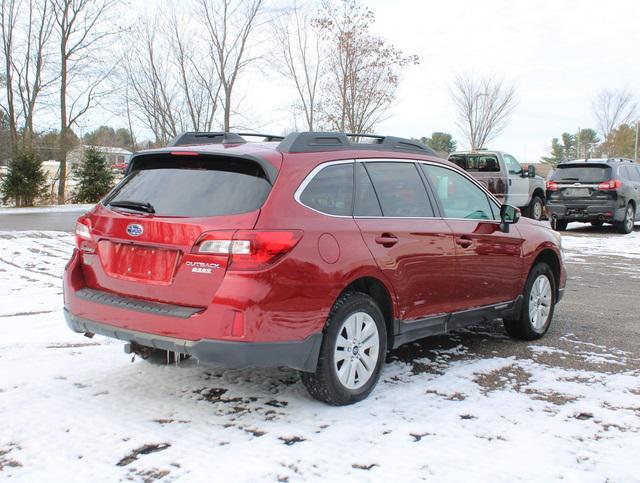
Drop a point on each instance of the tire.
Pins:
(534, 323)
(535, 210)
(626, 226)
(332, 381)
(597, 223)
(559, 225)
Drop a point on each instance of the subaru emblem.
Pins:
(135, 230)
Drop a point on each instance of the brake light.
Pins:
(83, 231)
(552, 186)
(184, 153)
(248, 249)
(612, 184)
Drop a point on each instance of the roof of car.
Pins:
(597, 161)
(478, 151)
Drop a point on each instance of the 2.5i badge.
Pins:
(202, 267)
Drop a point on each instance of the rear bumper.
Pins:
(301, 355)
(584, 212)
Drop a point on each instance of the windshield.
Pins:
(582, 173)
(185, 188)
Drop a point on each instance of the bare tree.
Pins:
(613, 108)
(299, 61)
(363, 70)
(229, 25)
(32, 79)
(172, 86)
(81, 27)
(8, 18)
(483, 107)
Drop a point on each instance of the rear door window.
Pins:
(199, 187)
(634, 173)
(331, 190)
(400, 189)
(460, 198)
(477, 163)
(582, 174)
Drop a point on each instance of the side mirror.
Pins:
(531, 171)
(508, 216)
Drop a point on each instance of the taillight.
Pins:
(83, 231)
(552, 186)
(248, 249)
(612, 184)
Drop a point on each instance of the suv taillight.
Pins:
(83, 231)
(552, 186)
(248, 249)
(612, 184)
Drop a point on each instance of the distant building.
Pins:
(117, 157)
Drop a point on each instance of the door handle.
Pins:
(387, 240)
(464, 241)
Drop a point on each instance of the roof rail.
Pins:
(312, 142)
(191, 138)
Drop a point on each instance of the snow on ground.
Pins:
(78, 409)
(602, 241)
(45, 209)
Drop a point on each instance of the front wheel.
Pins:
(352, 352)
(626, 226)
(537, 309)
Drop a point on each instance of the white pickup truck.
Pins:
(505, 177)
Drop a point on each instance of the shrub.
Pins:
(25, 180)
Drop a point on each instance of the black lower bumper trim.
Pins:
(301, 355)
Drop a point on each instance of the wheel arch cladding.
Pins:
(550, 257)
(375, 289)
(539, 192)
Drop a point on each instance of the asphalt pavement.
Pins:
(43, 221)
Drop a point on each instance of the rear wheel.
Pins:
(537, 309)
(559, 225)
(536, 208)
(626, 226)
(352, 352)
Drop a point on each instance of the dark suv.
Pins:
(597, 191)
(313, 252)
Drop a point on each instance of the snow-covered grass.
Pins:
(77, 409)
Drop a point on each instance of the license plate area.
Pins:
(138, 262)
(577, 192)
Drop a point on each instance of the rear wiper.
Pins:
(133, 205)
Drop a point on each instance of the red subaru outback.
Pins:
(314, 251)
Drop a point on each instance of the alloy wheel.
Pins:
(540, 300)
(356, 350)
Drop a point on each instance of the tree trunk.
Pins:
(63, 124)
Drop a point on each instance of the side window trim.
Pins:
(355, 187)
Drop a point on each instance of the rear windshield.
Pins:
(583, 174)
(197, 187)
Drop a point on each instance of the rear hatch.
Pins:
(144, 237)
(582, 184)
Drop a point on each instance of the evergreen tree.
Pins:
(440, 142)
(25, 181)
(95, 177)
(620, 142)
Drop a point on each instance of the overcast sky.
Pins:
(558, 54)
